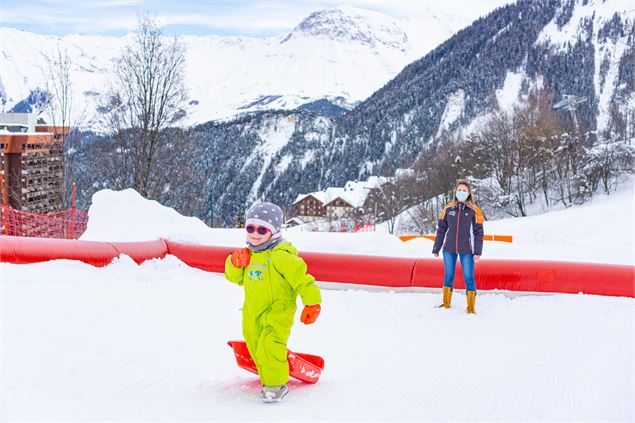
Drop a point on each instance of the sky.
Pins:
(203, 17)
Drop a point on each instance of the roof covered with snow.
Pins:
(353, 192)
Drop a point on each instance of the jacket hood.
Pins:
(286, 246)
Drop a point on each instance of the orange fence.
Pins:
(501, 238)
(491, 274)
(67, 224)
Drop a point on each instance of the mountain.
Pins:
(580, 47)
(341, 54)
(584, 48)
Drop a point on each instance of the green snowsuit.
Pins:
(272, 281)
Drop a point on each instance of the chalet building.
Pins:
(310, 207)
(32, 163)
(341, 207)
(334, 203)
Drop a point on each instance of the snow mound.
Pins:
(127, 216)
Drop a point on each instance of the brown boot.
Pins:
(471, 302)
(447, 297)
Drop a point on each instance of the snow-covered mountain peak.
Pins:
(348, 23)
(341, 54)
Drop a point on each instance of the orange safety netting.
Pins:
(67, 224)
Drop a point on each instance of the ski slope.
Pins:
(148, 343)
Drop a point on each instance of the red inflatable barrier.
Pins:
(204, 257)
(512, 275)
(535, 276)
(142, 251)
(366, 270)
(23, 250)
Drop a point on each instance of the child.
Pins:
(461, 227)
(273, 275)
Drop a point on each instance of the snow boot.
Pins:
(471, 302)
(447, 297)
(270, 394)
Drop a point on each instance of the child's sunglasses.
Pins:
(260, 229)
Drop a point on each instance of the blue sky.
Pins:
(180, 17)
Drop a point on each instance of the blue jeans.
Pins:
(467, 265)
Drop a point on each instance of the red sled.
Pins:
(304, 367)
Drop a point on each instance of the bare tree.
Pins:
(148, 96)
(423, 217)
(59, 111)
(58, 85)
(390, 198)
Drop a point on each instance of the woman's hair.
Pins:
(470, 197)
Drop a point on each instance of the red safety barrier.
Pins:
(512, 275)
(21, 250)
(535, 276)
(142, 251)
(205, 257)
(365, 270)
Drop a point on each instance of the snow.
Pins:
(274, 135)
(612, 53)
(605, 50)
(508, 95)
(599, 11)
(600, 232)
(284, 164)
(127, 216)
(453, 110)
(148, 342)
(308, 157)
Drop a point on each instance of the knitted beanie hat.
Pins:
(265, 214)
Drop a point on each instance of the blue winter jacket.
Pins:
(460, 229)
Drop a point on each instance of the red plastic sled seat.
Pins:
(304, 367)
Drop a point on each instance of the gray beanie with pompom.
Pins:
(265, 214)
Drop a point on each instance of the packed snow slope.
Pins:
(148, 342)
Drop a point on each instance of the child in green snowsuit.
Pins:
(273, 275)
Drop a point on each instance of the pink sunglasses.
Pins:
(260, 229)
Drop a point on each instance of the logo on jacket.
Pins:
(452, 213)
(255, 275)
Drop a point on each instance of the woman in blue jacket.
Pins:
(460, 233)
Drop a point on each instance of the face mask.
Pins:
(461, 195)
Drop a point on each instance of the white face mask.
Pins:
(461, 195)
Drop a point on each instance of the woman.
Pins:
(460, 233)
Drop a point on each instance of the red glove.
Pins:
(240, 257)
(310, 314)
